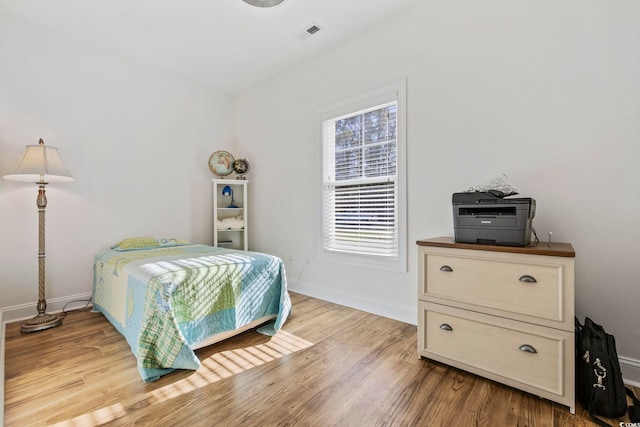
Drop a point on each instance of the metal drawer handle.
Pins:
(528, 279)
(446, 327)
(446, 268)
(528, 348)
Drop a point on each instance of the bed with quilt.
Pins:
(168, 297)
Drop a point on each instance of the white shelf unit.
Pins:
(235, 237)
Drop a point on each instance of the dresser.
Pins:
(504, 313)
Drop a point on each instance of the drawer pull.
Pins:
(527, 348)
(446, 268)
(528, 279)
(446, 327)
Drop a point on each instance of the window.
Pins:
(363, 211)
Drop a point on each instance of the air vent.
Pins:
(310, 30)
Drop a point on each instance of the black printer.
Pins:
(492, 218)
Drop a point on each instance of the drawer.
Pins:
(518, 352)
(532, 287)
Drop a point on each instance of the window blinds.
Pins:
(360, 187)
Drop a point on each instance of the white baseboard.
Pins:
(381, 308)
(630, 371)
(27, 311)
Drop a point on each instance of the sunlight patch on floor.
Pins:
(96, 418)
(214, 368)
(231, 362)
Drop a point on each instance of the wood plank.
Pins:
(534, 248)
(329, 365)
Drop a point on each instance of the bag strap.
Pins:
(597, 420)
(634, 411)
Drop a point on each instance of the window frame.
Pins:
(393, 92)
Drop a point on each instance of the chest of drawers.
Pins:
(504, 313)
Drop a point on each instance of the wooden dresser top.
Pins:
(541, 248)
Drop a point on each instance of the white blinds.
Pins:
(360, 187)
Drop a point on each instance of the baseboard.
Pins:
(381, 308)
(26, 311)
(630, 371)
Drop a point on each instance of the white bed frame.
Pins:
(228, 334)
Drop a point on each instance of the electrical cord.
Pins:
(65, 311)
(533, 230)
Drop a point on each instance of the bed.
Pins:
(168, 297)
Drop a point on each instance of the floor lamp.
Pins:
(42, 165)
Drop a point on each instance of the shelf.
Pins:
(235, 217)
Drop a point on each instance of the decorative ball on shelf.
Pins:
(241, 168)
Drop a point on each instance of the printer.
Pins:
(492, 218)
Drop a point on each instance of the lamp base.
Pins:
(41, 322)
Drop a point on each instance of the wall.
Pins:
(137, 141)
(546, 92)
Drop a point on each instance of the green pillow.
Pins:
(137, 243)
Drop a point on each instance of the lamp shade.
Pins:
(40, 163)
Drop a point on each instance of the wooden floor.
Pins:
(329, 366)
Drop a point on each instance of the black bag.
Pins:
(599, 385)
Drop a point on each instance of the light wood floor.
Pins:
(329, 366)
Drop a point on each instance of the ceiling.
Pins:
(227, 45)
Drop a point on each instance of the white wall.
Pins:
(547, 92)
(136, 140)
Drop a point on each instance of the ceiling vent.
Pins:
(310, 30)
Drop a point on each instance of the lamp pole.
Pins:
(42, 320)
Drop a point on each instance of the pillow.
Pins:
(137, 243)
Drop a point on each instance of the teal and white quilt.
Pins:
(165, 300)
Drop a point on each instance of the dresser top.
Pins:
(541, 248)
